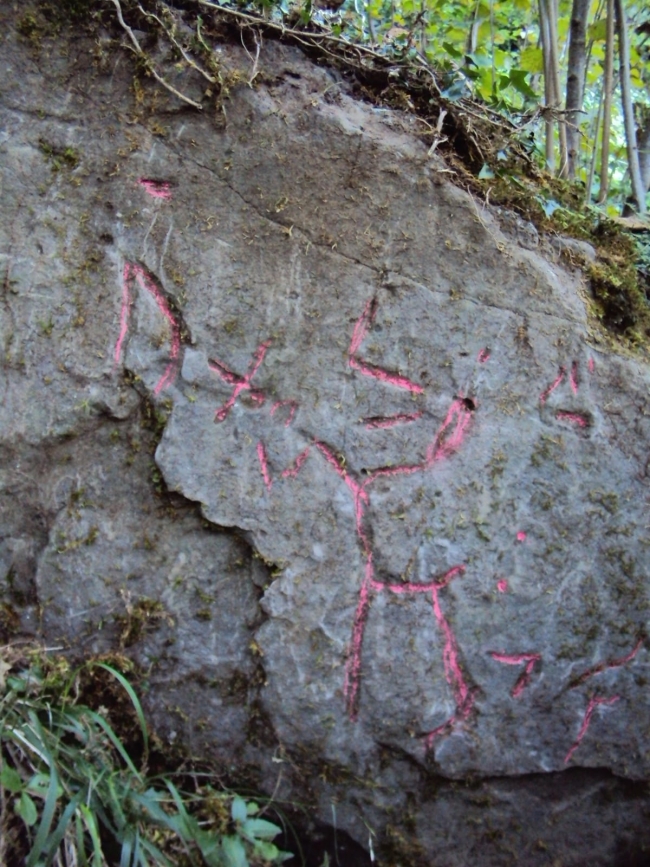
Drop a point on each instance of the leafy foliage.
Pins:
(71, 792)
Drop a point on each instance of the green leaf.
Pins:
(531, 59)
(11, 780)
(234, 852)
(26, 809)
(598, 30)
(260, 828)
(518, 81)
(238, 809)
(134, 701)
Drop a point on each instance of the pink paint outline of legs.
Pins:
(608, 663)
(124, 313)
(147, 284)
(292, 404)
(240, 383)
(516, 659)
(544, 395)
(156, 189)
(381, 422)
(359, 334)
(594, 701)
(264, 465)
(573, 417)
(573, 377)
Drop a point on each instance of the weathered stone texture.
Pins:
(424, 560)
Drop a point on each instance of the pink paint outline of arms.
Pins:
(544, 395)
(359, 334)
(594, 701)
(240, 383)
(124, 313)
(293, 406)
(516, 659)
(156, 189)
(608, 663)
(390, 420)
(148, 285)
(385, 376)
(264, 465)
(292, 472)
(353, 665)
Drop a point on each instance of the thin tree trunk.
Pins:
(638, 190)
(594, 153)
(607, 105)
(577, 67)
(643, 142)
(545, 31)
(555, 79)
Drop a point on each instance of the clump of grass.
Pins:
(72, 794)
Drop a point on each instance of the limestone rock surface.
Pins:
(405, 552)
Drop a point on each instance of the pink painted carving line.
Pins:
(544, 395)
(264, 465)
(362, 326)
(353, 666)
(594, 701)
(573, 417)
(390, 420)
(359, 494)
(293, 406)
(385, 376)
(609, 663)
(147, 284)
(502, 585)
(240, 383)
(124, 313)
(157, 189)
(573, 377)
(521, 536)
(591, 365)
(453, 671)
(483, 356)
(516, 659)
(445, 444)
(292, 472)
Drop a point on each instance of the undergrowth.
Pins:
(75, 784)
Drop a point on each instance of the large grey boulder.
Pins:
(408, 558)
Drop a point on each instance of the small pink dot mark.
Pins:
(591, 365)
(502, 585)
(156, 189)
(521, 536)
(483, 355)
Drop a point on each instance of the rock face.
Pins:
(419, 574)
